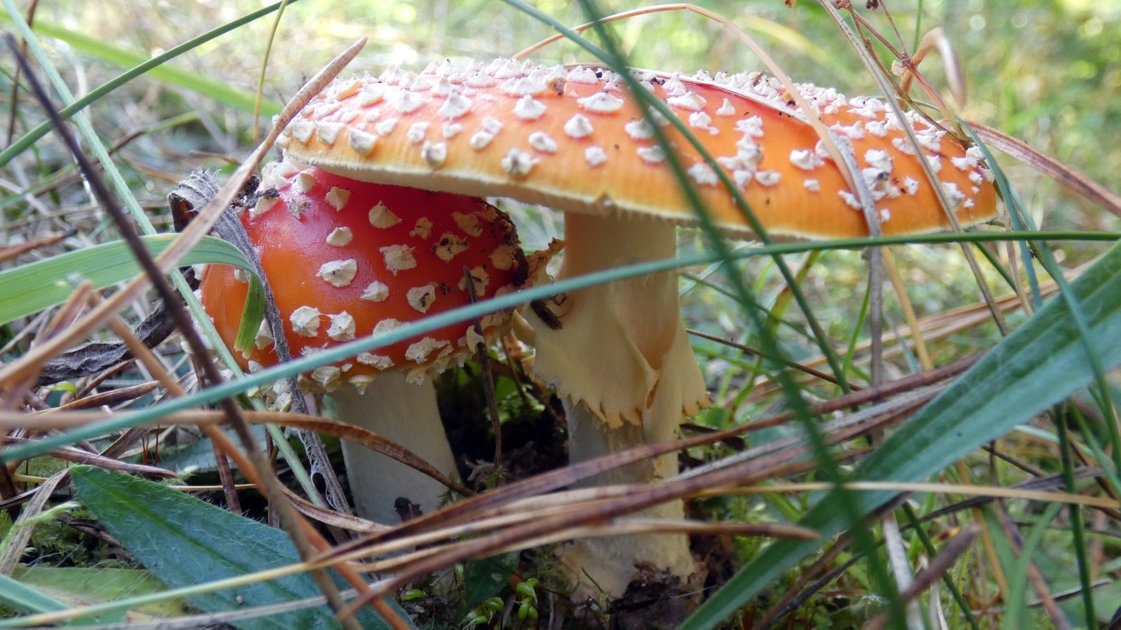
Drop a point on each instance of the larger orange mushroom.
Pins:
(572, 138)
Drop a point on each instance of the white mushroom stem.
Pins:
(623, 364)
(407, 414)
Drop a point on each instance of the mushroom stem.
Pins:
(407, 414)
(622, 361)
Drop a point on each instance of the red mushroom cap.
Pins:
(574, 139)
(348, 258)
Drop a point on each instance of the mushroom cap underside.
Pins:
(574, 139)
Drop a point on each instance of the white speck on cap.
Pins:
(879, 159)
(690, 101)
(768, 178)
(340, 237)
(532, 85)
(750, 126)
(337, 197)
(325, 375)
(595, 156)
(877, 128)
(953, 194)
(338, 273)
(304, 181)
(386, 127)
(360, 382)
(301, 130)
(398, 258)
(407, 102)
(343, 91)
(812, 185)
(434, 154)
(422, 228)
(468, 222)
(518, 163)
(386, 325)
(639, 130)
(305, 321)
(263, 205)
(455, 106)
(583, 75)
(418, 352)
(849, 199)
(450, 246)
(903, 145)
(503, 257)
(451, 130)
(805, 159)
(263, 339)
(416, 132)
(328, 131)
(375, 292)
(371, 94)
(422, 298)
(601, 103)
(382, 217)
(652, 154)
(911, 185)
(360, 141)
(376, 361)
(542, 142)
(703, 174)
(726, 109)
(529, 108)
(578, 127)
(341, 327)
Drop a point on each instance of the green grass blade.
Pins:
(206, 543)
(251, 315)
(1036, 366)
(33, 287)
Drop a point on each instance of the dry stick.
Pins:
(1067, 177)
(486, 373)
(14, 112)
(789, 363)
(10, 252)
(289, 518)
(109, 398)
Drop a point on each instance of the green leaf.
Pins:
(1041, 363)
(33, 287)
(184, 541)
(487, 577)
(22, 597)
(85, 585)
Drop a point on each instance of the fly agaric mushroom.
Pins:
(573, 139)
(348, 258)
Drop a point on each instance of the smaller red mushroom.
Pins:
(346, 259)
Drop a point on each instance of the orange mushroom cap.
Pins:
(347, 258)
(574, 139)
